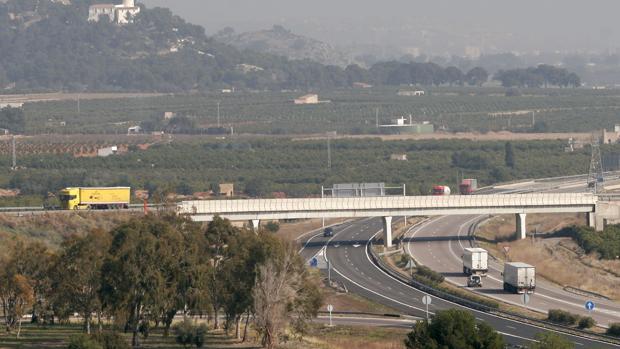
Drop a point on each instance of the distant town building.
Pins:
(227, 190)
(11, 105)
(119, 14)
(361, 85)
(307, 99)
(169, 115)
(402, 126)
(105, 152)
(398, 157)
(411, 93)
(134, 130)
(611, 137)
(473, 52)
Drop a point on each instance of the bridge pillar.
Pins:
(254, 223)
(387, 231)
(591, 219)
(521, 226)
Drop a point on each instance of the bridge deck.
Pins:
(204, 210)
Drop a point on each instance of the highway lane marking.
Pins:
(457, 305)
(511, 327)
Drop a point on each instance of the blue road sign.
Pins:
(589, 305)
(314, 262)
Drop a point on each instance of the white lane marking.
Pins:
(511, 327)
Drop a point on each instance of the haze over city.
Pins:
(444, 27)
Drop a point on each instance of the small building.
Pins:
(105, 152)
(119, 14)
(11, 105)
(227, 190)
(307, 99)
(401, 126)
(169, 115)
(609, 137)
(398, 157)
(361, 85)
(134, 130)
(411, 93)
(4, 132)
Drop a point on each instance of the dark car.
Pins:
(328, 232)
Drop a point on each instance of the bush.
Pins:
(111, 340)
(186, 333)
(83, 342)
(586, 322)
(430, 274)
(562, 317)
(614, 330)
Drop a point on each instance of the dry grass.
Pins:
(292, 231)
(345, 337)
(552, 255)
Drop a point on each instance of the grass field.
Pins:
(349, 111)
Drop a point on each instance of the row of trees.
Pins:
(543, 75)
(146, 271)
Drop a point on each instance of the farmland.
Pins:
(347, 111)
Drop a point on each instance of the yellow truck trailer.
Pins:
(95, 198)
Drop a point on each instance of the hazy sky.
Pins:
(501, 24)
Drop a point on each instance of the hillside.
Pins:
(282, 42)
(51, 45)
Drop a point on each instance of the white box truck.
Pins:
(519, 277)
(475, 261)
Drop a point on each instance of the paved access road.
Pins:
(352, 266)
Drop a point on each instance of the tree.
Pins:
(16, 296)
(477, 76)
(77, 275)
(136, 272)
(453, 328)
(551, 340)
(454, 75)
(282, 291)
(509, 156)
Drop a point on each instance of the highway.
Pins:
(439, 244)
(352, 266)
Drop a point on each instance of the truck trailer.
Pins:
(475, 261)
(519, 277)
(441, 190)
(103, 198)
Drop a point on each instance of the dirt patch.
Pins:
(490, 136)
(48, 97)
(552, 255)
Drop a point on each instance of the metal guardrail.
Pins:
(483, 308)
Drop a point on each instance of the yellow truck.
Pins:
(95, 198)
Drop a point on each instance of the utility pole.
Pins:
(218, 114)
(377, 118)
(14, 152)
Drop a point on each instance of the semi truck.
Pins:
(102, 198)
(519, 277)
(468, 186)
(475, 261)
(441, 190)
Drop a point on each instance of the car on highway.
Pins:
(328, 232)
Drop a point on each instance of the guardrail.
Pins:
(483, 308)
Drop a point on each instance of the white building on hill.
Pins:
(119, 14)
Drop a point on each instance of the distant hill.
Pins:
(50, 45)
(280, 41)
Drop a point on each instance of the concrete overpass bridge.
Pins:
(386, 207)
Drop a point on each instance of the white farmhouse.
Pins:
(119, 14)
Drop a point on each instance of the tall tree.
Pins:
(77, 275)
(135, 275)
(477, 76)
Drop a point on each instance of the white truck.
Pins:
(519, 277)
(475, 261)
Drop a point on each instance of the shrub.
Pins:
(614, 329)
(111, 340)
(83, 342)
(187, 334)
(562, 317)
(430, 274)
(586, 322)
(272, 227)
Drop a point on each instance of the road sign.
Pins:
(426, 300)
(314, 262)
(590, 306)
(330, 308)
(526, 298)
(506, 249)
